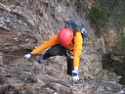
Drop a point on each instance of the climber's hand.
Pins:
(75, 76)
(27, 56)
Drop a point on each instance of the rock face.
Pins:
(23, 77)
(25, 25)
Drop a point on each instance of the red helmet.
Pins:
(65, 36)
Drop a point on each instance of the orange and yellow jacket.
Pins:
(76, 47)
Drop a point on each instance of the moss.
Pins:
(120, 45)
(94, 60)
(103, 73)
(82, 72)
(96, 14)
(68, 3)
(118, 68)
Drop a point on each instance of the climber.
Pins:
(66, 43)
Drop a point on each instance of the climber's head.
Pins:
(65, 36)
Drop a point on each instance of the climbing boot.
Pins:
(41, 60)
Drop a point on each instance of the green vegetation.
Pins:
(108, 14)
(118, 68)
(68, 3)
(120, 45)
(80, 5)
(96, 15)
(94, 60)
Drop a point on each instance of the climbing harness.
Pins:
(69, 54)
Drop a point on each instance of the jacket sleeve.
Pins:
(52, 41)
(77, 49)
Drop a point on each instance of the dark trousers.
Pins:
(59, 50)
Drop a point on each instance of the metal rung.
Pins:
(80, 82)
